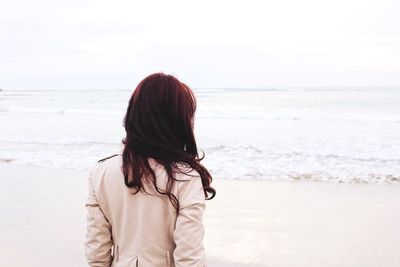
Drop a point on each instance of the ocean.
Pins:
(349, 135)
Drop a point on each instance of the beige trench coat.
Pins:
(126, 230)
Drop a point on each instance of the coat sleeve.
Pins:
(189, 229)
(98, 241)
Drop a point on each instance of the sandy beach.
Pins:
(249, 223)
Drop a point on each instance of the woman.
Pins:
(145, 206)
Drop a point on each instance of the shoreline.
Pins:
(390, 180)
(249, 223)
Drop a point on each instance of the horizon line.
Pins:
(214, 88)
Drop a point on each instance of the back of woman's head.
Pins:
(159, 124)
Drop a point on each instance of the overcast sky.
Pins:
(114, 44)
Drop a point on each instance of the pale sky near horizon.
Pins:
(114, 44)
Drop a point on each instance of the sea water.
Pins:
(324, 134)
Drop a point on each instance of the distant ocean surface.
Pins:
(324, 134)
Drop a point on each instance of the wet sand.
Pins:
(249, 223)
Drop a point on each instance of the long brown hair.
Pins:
(159, 124)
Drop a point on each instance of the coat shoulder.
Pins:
(105, 167)
(108, 163)
(186, 170)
